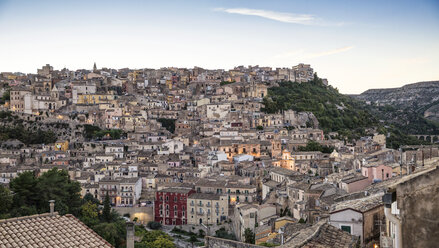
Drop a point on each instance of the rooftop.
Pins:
(45, 230)
(205, 196)
(361, 205)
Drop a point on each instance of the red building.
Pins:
(170, 206)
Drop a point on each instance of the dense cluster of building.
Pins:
(198, 149)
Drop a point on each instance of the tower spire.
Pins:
(94, 67)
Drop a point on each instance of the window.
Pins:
(346, 228)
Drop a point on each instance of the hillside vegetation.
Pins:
(336, 112)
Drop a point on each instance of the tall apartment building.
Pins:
(207, 208)
(170, 206)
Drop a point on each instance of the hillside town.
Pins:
(194, 150)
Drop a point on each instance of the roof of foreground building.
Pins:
(46, 230)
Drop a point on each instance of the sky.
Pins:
(356, 45)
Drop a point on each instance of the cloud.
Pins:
(301, 54)
(330, 52)
(304, 19)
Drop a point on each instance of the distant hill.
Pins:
(418, 96)
(414, 108)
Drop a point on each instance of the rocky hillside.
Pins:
(422, 97)
(414, 108)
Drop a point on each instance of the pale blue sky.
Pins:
(357, 45)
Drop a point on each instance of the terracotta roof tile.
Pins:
(48, 231)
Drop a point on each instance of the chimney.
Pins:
(130, 234)
(52, 207)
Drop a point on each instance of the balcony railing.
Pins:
(112, 189)
(200, 213)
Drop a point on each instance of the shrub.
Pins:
(154, 225)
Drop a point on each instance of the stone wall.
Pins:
(213, 242)
(418, 201)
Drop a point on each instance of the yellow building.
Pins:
(207, 209)
(287, 161)
(95, 98)
(61, 146)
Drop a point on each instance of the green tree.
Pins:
(249, 236)
(106, 212)
(56, 185)
(108, 231)
(169, 124)
(156, 239)
(154, 225)
(6, 96)
(222, 233)
(193, 239)
(5, 202)
(114, 232)
(89, 213)
(163, 242)
(90, 198)
(25, 195)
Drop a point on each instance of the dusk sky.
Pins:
(356, 45)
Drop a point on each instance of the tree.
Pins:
(249, 236)
(106, 212)
(25, 196)
(90, 198)
(114, 232)
(222, 233)
(56, 185)
(5, 202)
(192, 239)
(108, 231)
(89, 213)
(6, 96)
(163, 242)
(156, 239)
(154, 225)
(169, 124)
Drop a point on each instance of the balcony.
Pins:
(200, 204)
(200, 213)
(192, 204)
(112, 189)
